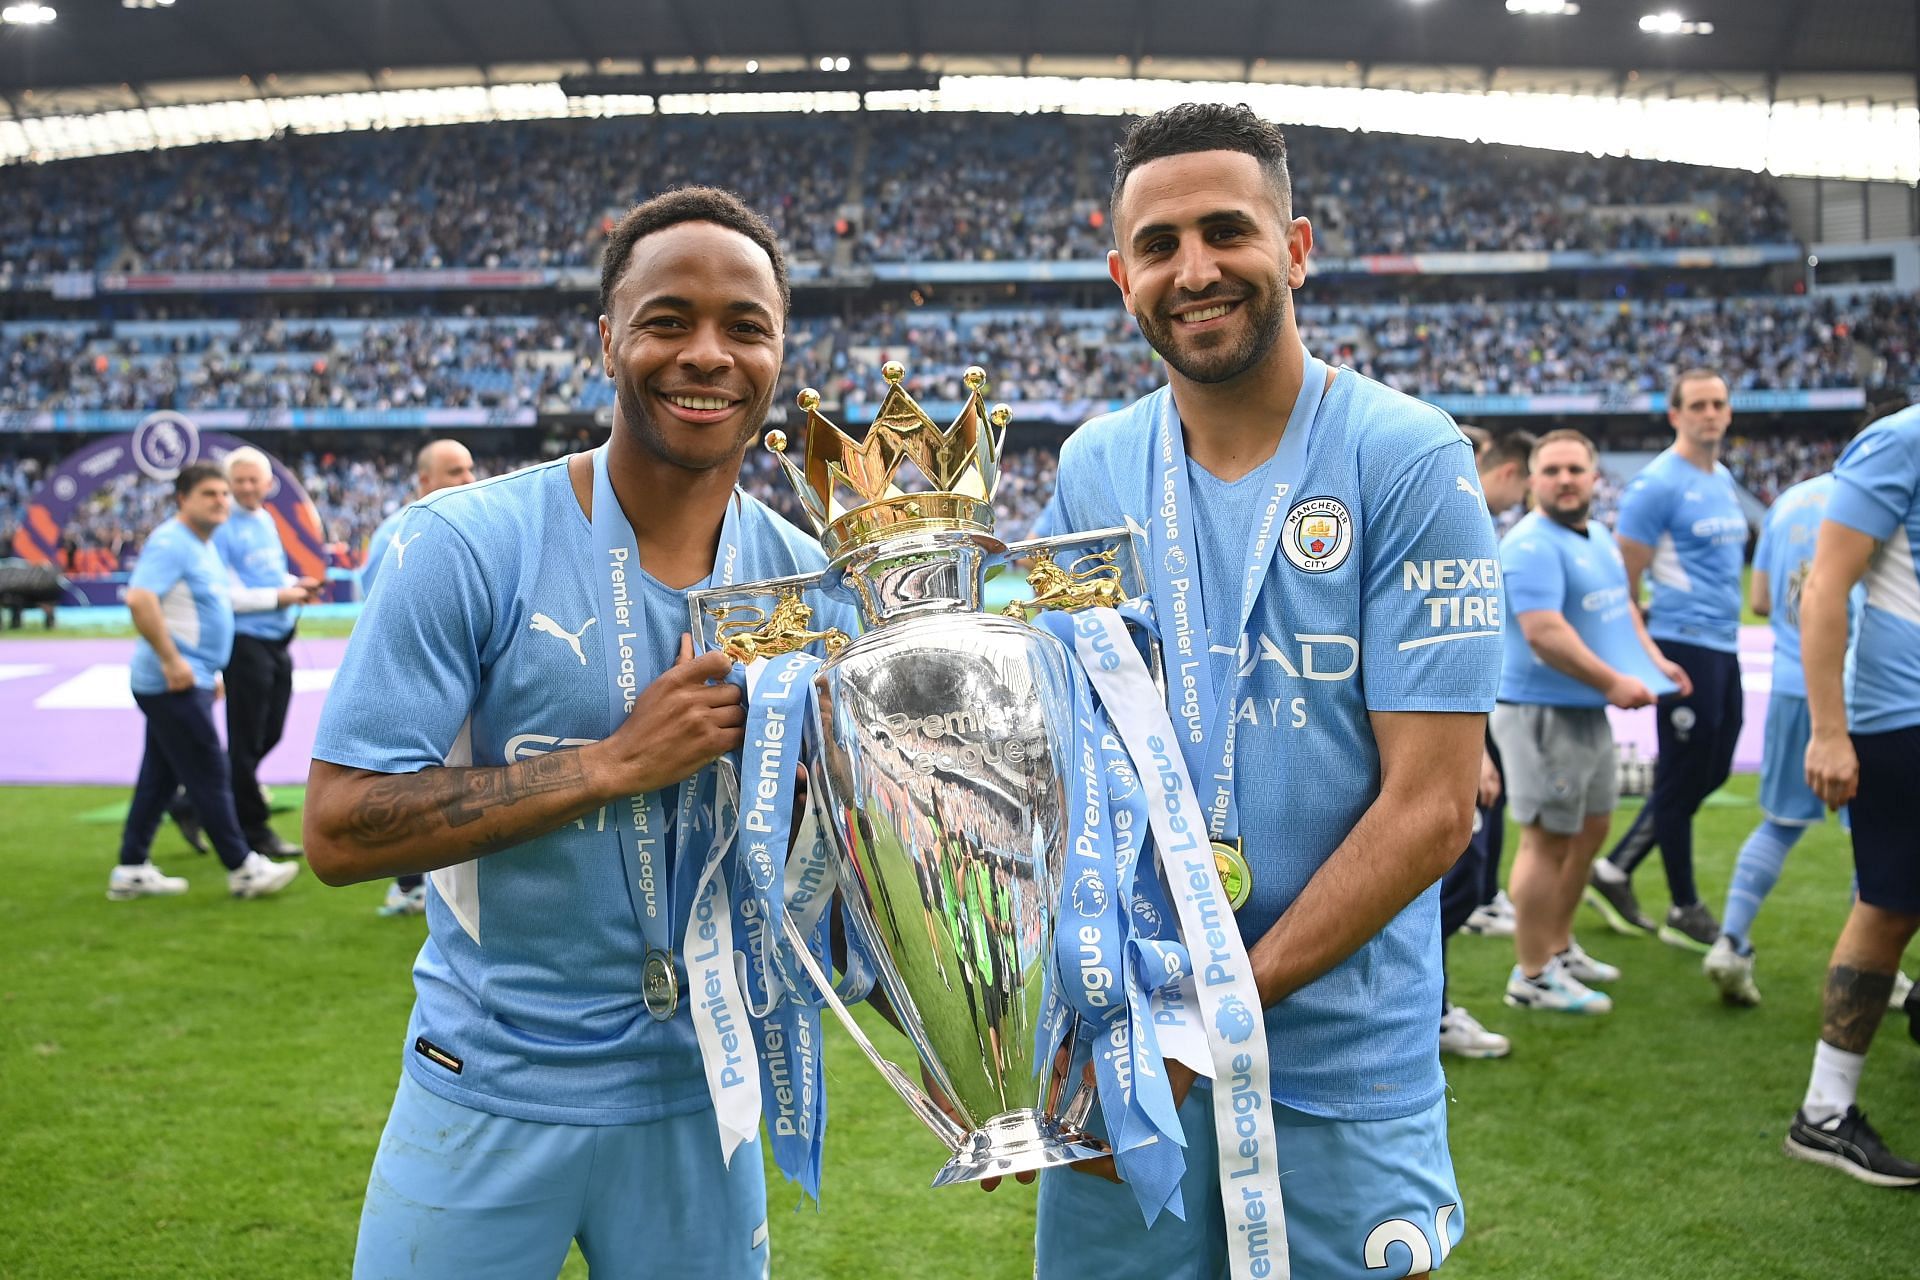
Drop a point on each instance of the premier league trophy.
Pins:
(941, 765)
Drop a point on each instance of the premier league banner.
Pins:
(157, 449)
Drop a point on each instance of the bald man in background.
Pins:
(440, 464)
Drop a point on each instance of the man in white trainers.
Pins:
(180, 606)
(1574, 645)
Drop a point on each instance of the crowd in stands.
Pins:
(1067, 358)
(1542, 348)
(918, 188)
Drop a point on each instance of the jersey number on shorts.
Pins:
(1400, 1231)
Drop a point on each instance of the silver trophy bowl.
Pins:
(940, 779)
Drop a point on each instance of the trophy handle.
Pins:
(910, 1093)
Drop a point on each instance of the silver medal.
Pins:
(658, 986)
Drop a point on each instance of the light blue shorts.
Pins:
(1785, 796)
(461, 1194)
(1364, 1199)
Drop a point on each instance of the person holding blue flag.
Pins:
(1575, 645)
(1863, 751)
(1681, 522)
(520, 717)
(1323, 575)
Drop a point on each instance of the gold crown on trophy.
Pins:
(852, 489)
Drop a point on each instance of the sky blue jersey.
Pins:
(1694, 522)
(257, 560)
(481, 648)
(379, 547)
(1785, 553)
(1385, 597)
(1876, 491)
(188, 575)
(1581, 577)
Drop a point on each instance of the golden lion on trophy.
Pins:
(1094, 587)
(766, 635)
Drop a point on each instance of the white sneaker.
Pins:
(142, 881)
(1491, 919)
(1578, 964)
(404, 902)
(257, 877)
(1556, 990)
(1902, 984)
(1731, 972)
(1462, 1035)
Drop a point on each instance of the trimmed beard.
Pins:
(1575, 520)
(1267, 316)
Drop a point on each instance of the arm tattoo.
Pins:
(1854, 1002)
(406, 807)
(483, 790)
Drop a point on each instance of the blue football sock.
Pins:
(1754, 876)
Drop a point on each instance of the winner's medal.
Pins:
(1236, 877)
(658, 986)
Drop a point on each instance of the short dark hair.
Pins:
(1561, 435)
(1204, 126)
(195, 474)
(1511, 446)
(687, 204)
(1699, 373)
(1478, 437)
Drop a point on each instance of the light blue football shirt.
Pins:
(1694, 522)
(250, 544)
(1407, 620)
(1785, 553)
(1876, 491)
(379, 547)
(481, 647)
(191, 581)
(1581, 577)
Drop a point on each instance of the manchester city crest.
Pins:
(1318, 535)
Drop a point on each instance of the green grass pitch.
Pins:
(194, 1087)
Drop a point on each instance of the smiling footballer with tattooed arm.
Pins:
(519, 716)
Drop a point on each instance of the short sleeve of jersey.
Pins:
(1431, 612)
(1764, 547)
(1874, 483)
(423, 632)
(162, 563)
(1645, 509)
(1535, 575)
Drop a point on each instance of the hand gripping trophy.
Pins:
(941, 761)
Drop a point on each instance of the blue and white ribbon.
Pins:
(1093, 974)
(1226, 999)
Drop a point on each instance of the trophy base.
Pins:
(1016, 1142)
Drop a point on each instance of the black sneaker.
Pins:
(1692, 928)
(1618, 905)
(190, 830)
(1913, 1012)
(272, 845)
(1848, 1143)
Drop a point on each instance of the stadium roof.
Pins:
(1859, 48)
